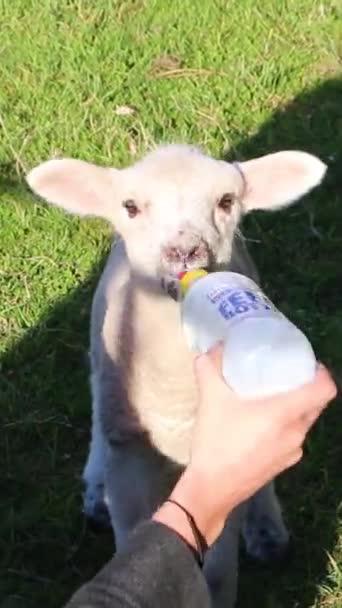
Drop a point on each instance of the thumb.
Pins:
(208, 372)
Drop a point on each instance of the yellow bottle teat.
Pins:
(187, 277)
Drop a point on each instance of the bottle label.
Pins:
(233, 302)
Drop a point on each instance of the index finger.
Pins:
(312, 396)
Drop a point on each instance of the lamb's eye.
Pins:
(226, 202)
(131, 208)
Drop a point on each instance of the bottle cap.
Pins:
(188, 276)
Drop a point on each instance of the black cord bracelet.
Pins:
(201, 543)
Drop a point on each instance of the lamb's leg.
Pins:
(94, 506)
(138, 479)
(264, 530)
(221, 563)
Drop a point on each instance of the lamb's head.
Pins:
(177, 208)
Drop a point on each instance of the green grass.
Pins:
(240, 77)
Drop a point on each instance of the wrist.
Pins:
(193, 494)
(173, 517)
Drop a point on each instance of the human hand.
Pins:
(239, 445)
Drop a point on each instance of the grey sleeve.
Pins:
(156, 570)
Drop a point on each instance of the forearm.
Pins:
(156, 569)
(159, 565)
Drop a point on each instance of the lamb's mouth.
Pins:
(170, 282)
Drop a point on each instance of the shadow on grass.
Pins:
(46, 549)
(299, 255)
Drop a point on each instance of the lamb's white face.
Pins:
(179, 211)
(177, 208)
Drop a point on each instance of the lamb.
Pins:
(175, 209)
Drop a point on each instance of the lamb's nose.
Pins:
(177, 254)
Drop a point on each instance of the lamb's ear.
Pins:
(276, 180)
(77, 186)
